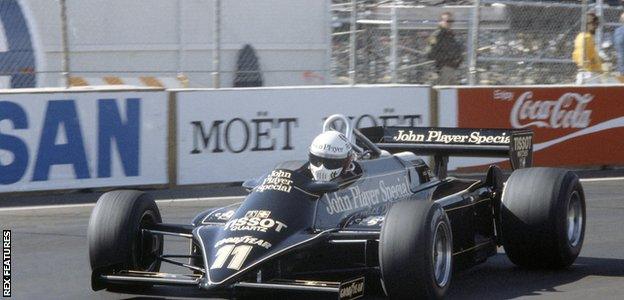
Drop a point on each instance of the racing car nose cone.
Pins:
(229, 254)
(269, 221)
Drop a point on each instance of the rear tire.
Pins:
(115, 237)
(416, 251)
(543, 218)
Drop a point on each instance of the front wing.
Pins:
(158, 283)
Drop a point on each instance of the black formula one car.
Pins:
(392, 225)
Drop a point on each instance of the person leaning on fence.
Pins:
(587, 58)
(618, 43)
(445, 51)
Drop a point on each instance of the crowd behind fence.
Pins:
(216, 43)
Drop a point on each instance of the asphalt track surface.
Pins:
(50, 259)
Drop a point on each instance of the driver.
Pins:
(330, 156)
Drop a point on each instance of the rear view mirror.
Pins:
(322, 187)
(250, 184)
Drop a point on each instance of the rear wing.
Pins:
(442, 142)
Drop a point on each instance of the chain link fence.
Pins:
(17, 55)
(198, 43)
(244, 43)
(527, 42)
(170, 43)
(502, 42)
(531, 42)
(610, 20)
(131, 43)
(391, 40)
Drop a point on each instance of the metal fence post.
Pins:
(474, 43)
(600, 15)
(580, 77)
(179, 35)
(65, 43)
(352, 37)
(394, 39)
(216, 59)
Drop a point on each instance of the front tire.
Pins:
(543, 218)
(416, 251)
(115, 236)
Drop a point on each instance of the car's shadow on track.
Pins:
(500, 279)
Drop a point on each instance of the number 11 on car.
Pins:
(239, 254)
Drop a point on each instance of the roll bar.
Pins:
(353, 135)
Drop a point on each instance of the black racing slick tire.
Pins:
(543, 218)
(416, 251)
(115, 236)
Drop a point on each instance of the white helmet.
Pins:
(330, 153)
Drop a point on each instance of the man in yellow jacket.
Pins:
(587, 58)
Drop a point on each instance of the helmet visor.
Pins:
(329, 163)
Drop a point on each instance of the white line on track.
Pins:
(173, 201)
(601, 179)
(168, 201)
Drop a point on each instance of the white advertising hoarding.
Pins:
(60, 140)
(234, 135)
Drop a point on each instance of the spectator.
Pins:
(445, 51)
(586, 58)
(618, 43)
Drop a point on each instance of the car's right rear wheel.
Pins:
(416, 251)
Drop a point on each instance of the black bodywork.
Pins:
(295, 234)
